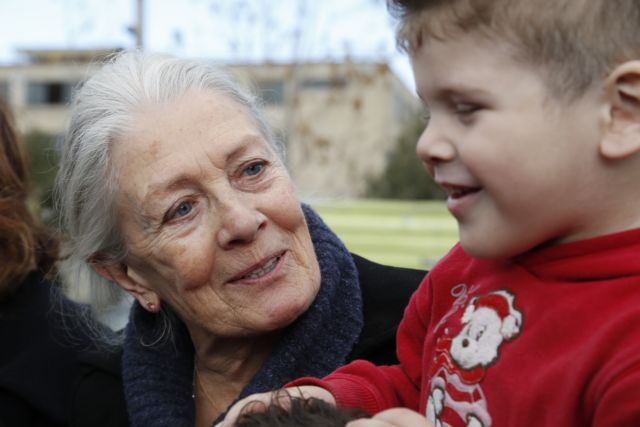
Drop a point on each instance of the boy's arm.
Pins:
(375, 388)
(620, 403)
(366, 386)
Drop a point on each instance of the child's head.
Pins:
(573, 42)
(289, 411)
(534, 116)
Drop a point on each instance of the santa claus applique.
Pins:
(456, 397)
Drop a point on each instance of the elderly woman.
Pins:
(172, 186)
(51, 374)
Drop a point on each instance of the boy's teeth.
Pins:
(263, 270)
(459, 192)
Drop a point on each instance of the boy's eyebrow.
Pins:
(449, 91)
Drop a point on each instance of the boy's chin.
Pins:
(488, 250)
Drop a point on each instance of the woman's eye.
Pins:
(183, 209)
(254, 169)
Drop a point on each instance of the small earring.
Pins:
(151, 306)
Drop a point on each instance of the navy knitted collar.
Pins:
(158, 379)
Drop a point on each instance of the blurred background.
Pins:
(334, 87)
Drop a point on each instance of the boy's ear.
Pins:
(120, 274)
(622, 133)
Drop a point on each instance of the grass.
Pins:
(402, 233)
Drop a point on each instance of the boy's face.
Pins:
(521, 167)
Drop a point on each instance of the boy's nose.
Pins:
(434, 148)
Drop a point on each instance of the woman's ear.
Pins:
(118, 272)
(622, 134)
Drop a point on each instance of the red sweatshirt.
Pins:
(550, 338)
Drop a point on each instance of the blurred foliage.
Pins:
(404, 176)
(43, 162)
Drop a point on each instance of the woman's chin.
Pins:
(280, 316)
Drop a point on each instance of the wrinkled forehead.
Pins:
(206, 103)
(195, 131)
(189, 115)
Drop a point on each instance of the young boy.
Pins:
(534, 318)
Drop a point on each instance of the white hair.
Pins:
(101, 112)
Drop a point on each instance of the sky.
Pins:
(225, 31)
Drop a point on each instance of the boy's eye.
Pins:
(464, 108)
(254, 169)
(425, 115)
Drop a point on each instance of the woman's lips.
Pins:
(260, 270)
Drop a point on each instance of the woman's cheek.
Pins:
(194, 265)
(284, 204)
(184, 258)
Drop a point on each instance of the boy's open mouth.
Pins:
(458, 191)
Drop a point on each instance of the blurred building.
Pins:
(39, 88)
(337, 120)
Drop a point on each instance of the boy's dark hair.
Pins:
(289, 411)
(573, 42)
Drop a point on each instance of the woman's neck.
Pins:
(222, 368)
(206, 407)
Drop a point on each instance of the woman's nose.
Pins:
(433, 147)
(240, 222)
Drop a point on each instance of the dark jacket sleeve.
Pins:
(386, 292)
(98, 398)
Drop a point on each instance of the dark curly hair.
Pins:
(289, 411)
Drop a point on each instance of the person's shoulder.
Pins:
(97, 398)
(51, 367)
(30, 322)
(31, 297)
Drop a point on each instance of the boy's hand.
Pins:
(259, 401)
(396, 417)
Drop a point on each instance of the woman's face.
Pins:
(210, 219)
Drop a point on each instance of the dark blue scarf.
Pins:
(158, 378)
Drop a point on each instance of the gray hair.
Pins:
(101, 112)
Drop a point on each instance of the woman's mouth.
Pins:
(261, 269)
(265, 269)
